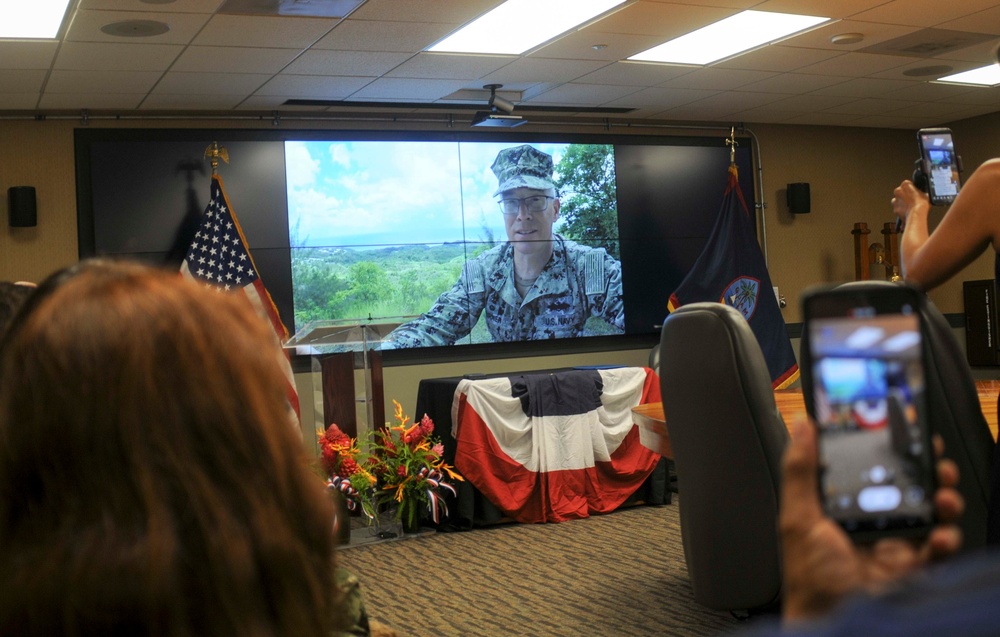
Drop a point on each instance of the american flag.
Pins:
(220, 257)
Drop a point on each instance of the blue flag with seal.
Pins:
(731, 270)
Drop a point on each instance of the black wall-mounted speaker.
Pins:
(798, 198)
(21, 206)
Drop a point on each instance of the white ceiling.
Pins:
(238, 64)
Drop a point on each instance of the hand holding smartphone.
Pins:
(939, 165)
(863, 383)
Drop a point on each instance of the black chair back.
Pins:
(728, 440)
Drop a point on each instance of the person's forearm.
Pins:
(915, 234)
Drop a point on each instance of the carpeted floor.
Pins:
(617, 574)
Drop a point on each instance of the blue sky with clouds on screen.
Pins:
(394, 192)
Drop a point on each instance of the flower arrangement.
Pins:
(345, 465)
(407, 462)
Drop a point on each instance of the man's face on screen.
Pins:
(530, 230)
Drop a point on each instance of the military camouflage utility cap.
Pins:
(523, 167)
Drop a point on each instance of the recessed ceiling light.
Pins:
(37, 19)
(735, 34)
(984, 76)
(847, 38)
(517, 26)
(136, 28)
(599, 47)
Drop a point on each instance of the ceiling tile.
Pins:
(583, 94)
(731, 101)
(922, 13)
(21, 81)
(662, 20)
(662, 98)
(930, 91)
(894, 121)
(18, 101)
(162, 101)
(312, 86)
(855, 64)
(777, 58)
(697, 113)
(635, 74)
(871, 106)
(90, 101)
(978, 95)
(417, 90)
(588, 44)
(27, 55)
(863, 87)
(361, 63)
(811, 102)
(444, 66)
(93, 56)
(370, 35)
(822, 119)
(231, 59)
(102, 81)
(793, 83)
(934, 110)
(210, 83)
(985, 21)
(718, 78)
(268, 31)
(542, 70)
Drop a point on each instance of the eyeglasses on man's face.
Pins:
(535, 203)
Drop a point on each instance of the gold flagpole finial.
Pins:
(732, 143)
(214, 154)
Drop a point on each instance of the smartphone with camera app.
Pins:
(939, 164)
(863, 384)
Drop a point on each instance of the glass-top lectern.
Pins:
(345, 372)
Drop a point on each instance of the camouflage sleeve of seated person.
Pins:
(352, 605)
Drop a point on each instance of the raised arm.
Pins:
(968, 227)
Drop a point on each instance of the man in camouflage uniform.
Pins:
(537, 285)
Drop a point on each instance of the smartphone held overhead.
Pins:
(863, 379)
(939, 166)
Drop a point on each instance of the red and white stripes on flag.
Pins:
(219, 256)
(554, 447)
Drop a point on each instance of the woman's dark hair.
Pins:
(150, 482)
(12, 296)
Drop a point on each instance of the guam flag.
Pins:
(554, 447)
(731, 270)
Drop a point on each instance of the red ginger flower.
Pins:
(426, 426)
(348, 467)
(336, 436)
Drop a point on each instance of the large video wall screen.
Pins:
(410, 229)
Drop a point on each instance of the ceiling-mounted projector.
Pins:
(500, 114)
(499, 120)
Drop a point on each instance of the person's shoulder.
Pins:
(990, 167)
(952, 598)
(579, 253)
(573, 248)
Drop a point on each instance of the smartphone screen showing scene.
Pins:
(868, 401)
(940, 163)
